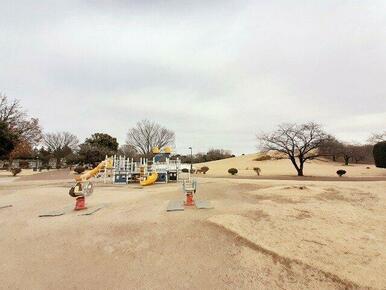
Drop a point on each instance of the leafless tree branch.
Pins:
(11, 113)
(146, 135)
(298, 142)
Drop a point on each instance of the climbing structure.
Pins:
(160, 168)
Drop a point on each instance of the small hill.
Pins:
(284, 167)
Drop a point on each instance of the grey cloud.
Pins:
(216, 72)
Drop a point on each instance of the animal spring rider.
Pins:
(84, 187)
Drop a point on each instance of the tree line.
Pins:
(22, 137)
(211, 155)
(303, 142)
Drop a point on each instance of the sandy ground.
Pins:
(24, 172)
(262, 234)
(284, 167)
(6, 176)
(61, 174)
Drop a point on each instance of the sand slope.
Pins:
(246, 163)
(338, 230)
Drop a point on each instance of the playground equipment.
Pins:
(146, 171)
(84, 187)
(161, 155)
(150, 179)
(124, 170)
(189, 189)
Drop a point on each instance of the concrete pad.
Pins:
(203, 204)
(59, 212)
(175, 205)
(91, 211)
(53, 213)
(6, 206)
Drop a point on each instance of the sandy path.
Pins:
(133, 243)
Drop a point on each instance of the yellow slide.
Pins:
(93, 172)
(151, 179)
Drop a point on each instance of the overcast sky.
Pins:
(215, 72)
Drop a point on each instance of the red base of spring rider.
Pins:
(189, 199)
(80, 203)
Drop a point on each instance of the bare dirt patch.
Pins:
(304, 241)
(62, 174)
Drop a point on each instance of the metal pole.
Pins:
(191, 159)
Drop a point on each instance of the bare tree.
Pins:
(361, 152)
(22, 150)
(347, 152)
(11, 113)
(59, 140)
(60, 144)
(377, 137)
(128, 151)
(357, 153)
(331, 148)
(147, 134)
(298, 142)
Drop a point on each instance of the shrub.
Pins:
(257, 170)
(232, 171)
(263, 158)
(379, 153)
(185, 170)
(79, 169)
(49, 167)
(341, 172)
(24, 164)
(15, 171)
(204, 169)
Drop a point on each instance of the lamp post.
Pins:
(191, 159)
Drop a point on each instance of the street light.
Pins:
(191, 159)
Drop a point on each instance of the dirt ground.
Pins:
(261, 234)
(24, 172)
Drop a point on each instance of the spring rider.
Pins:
(84, 186)
(189, 188)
